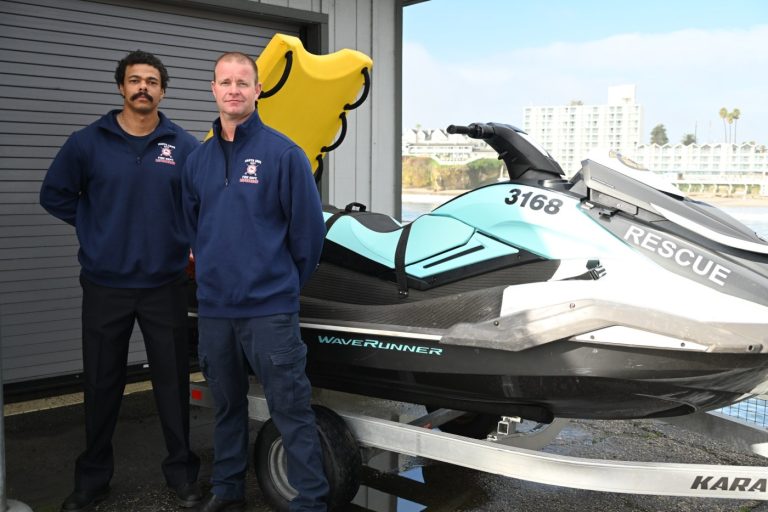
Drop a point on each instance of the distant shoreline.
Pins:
(731, 200)
(425, 195)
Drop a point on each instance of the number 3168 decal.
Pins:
(534, 202)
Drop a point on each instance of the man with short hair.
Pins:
(257, 230)
(118, 181)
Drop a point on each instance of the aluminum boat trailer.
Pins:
(373, 425)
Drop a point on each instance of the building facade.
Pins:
(568, 132)
(703, 159)
(696, 167)
(59, 61)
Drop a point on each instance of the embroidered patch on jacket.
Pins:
(251, 167)
(166, 154)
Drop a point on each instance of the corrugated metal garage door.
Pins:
(58, 59)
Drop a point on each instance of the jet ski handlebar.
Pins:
(474, 130)
(523, 159)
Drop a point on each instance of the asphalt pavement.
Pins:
(41, 447)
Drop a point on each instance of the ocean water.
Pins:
(756, 217)
(754, 410)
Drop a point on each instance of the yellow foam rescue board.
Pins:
(316, 90)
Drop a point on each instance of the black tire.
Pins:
(474, 425)
(341, 461)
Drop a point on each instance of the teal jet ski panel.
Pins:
(547, 223)
(431, 235)
(478, 248)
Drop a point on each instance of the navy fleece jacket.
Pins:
(126, 207)
(256, 223)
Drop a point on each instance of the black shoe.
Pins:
(188, 494)
(214, 504)
(80, 501)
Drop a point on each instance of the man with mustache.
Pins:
(118, 182)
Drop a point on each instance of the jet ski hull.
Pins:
(568, 379)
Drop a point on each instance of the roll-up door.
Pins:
(57, 62)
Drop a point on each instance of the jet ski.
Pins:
(609, 295)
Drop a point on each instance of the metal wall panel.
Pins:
(58, 59)
(366, 168)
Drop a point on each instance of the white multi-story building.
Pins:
(722, 163)
(702, 159)
(568, 132)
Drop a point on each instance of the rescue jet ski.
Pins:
(609, 295)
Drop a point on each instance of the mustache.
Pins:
(142, 95)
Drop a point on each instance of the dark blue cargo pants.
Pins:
(273, 348)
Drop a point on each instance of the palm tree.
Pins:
(729, 118)
(723, 115)
(735, 114)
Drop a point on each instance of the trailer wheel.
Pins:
(474, 425)
(341, 461)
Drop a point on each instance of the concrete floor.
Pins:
(41, 447)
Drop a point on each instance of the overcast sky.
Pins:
(485, 60)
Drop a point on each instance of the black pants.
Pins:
(108, 319)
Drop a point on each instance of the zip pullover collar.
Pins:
(109, 123)
(249, 127)
(242, 131)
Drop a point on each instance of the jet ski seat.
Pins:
(375, 243)
(378, 222)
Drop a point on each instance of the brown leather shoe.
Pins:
(214, 504)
